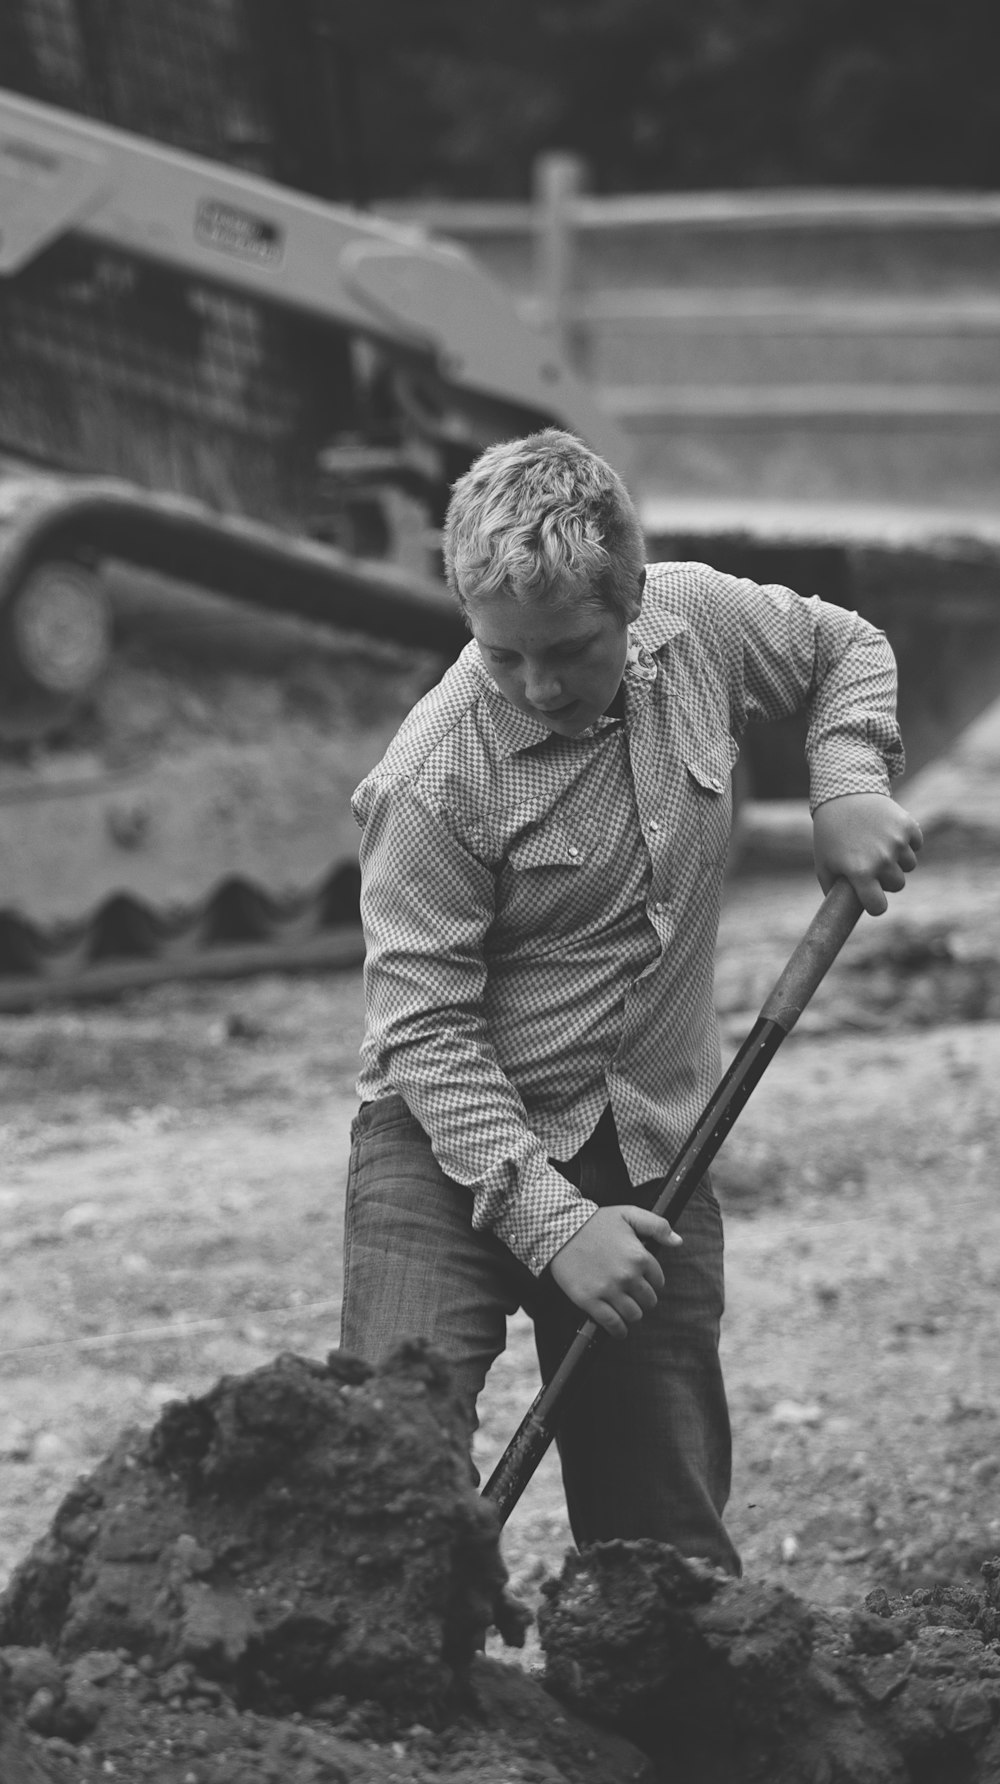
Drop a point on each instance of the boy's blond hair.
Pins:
(543, 518)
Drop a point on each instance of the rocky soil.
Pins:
(727, 1681)
(291, 1577)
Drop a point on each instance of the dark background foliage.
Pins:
(458, 97)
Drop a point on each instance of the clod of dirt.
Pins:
(288, 1580)
(727, 1682)
(301, 1532)
(18, 1764)
(947, 1607)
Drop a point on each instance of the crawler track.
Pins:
(340, 946)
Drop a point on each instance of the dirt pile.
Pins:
(731, 1682)
(288, 1579)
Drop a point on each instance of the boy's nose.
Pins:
(543, 689)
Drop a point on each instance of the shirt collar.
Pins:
(657, 622)
(514, 730)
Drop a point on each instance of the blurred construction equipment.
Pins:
(230, 413)
(232, 402)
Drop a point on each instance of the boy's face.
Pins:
(560, 664)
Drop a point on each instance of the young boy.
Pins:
(542, 862)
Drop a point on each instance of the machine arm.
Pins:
(62, 174)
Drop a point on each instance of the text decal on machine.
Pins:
(238, 232)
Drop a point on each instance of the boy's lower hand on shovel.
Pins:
(606, 1269)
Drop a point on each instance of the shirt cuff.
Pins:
(536, 1216)
(860, 771)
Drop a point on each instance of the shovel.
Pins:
(811, 960)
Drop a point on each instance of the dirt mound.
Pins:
(731, 1682)
(288, 1578)
(299, 1532)
(149, 1730)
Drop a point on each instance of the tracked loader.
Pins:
(232, 402)
(230, 413)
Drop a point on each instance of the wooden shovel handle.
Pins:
(814, 956)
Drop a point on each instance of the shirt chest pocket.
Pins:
(710, 797)
(550, 846)
(552, 879)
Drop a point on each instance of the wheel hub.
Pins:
(60, 630)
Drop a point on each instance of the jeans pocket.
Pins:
(383, 1116)
(705, 1194)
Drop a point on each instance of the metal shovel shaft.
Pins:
(807, 966)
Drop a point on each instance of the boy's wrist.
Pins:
(839, 784)
(535, 1239)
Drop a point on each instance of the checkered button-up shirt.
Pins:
(541, 911)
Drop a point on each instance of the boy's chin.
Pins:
(571, 725)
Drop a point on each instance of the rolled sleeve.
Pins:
(788, 653)
(427, 902)
(853, 744)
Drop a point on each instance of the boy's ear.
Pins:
(637, 603)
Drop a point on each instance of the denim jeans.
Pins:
(644, 1437)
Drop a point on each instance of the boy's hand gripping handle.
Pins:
(807, 966)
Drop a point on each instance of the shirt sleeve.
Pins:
(800, 653)
(427, 902)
